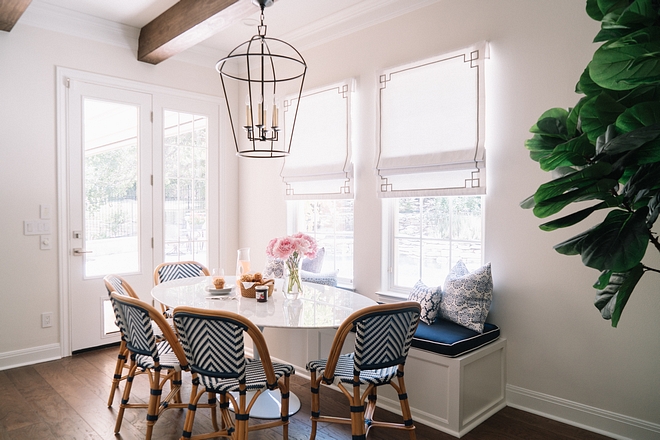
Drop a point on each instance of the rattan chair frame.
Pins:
(237, 427)
(122, 355)
(157, 281)
(157, 404)
(363, 404)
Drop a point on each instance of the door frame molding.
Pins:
(63, 77)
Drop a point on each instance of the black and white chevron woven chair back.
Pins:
(176, 271)
(214, 346)
(383, 339)
(117, 285)
(135, 324)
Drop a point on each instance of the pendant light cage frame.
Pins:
(270, 69)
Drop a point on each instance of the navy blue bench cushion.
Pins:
(450, 339)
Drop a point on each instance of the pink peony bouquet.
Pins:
(291, 249)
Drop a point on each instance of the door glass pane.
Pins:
(110, 179)
(185, 179)
(109, 326)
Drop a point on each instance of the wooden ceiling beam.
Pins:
(10, 12)
(186, 24)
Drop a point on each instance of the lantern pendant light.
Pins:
(270, 74)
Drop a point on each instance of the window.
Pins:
(430, 234)
(330, 222)
(432, 165)
(185, 186)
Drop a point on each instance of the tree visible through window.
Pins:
(430, 234)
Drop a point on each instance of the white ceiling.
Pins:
(303, 23)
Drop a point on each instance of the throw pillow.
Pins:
(467, 296)
(314, 264)
(429, 298)
(327, 278)
(274, 268)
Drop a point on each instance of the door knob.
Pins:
(80, 251)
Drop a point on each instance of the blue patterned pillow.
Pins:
(467, 296)
(429, 298)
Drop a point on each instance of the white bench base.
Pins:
(453, 395)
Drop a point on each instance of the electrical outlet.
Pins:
(46, 319)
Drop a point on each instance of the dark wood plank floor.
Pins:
(66, 399)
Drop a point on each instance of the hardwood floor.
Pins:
(66, 399)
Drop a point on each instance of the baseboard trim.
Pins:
(593, 419)
(29, 356)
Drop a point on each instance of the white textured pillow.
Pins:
(467, 296)
(429, 298)
(274, 268)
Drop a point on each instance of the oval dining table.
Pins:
(317, 307)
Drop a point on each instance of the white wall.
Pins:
(564, 360)
(28, 168)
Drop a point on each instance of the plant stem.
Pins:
(654, 240)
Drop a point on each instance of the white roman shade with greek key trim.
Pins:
(431, 126)
(319, 166)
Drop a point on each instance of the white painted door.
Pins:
(110, 203)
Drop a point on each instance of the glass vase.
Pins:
(292, 287)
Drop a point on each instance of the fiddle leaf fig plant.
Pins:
(604, 153)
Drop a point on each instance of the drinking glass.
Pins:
(242, 262)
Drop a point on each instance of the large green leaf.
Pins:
(618, 243)
(599, 190)
(587, 85)
(631, 140)
(572, 246)
(599, 112)
(639, 14)
(578, 179)
(580, 215)
(629, 61)
(552, 123)
(612, 299)
(577, 151)
(573, 123)
(603, 279)
(593, 10)
(646, 177)
(638, 116)
(528, 203)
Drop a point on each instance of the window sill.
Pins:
(388, 297)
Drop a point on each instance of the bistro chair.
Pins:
(213, 341)
(383, 334)
(175, 270)
(152, 357)
(115, 283)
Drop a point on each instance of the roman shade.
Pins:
(431, 126)
(320, 162)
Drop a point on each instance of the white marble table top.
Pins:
(318, 306)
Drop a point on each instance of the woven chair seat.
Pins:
(255, 378)
(344, 371)
(166, 355)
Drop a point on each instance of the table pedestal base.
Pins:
(268, 404)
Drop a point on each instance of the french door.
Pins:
(138, 192)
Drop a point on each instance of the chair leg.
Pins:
(316, 411)
(126, 395)
(357, 416)
(285, 408)
(119, 369)
(405, 408)
(154, 402)
(192, 407)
